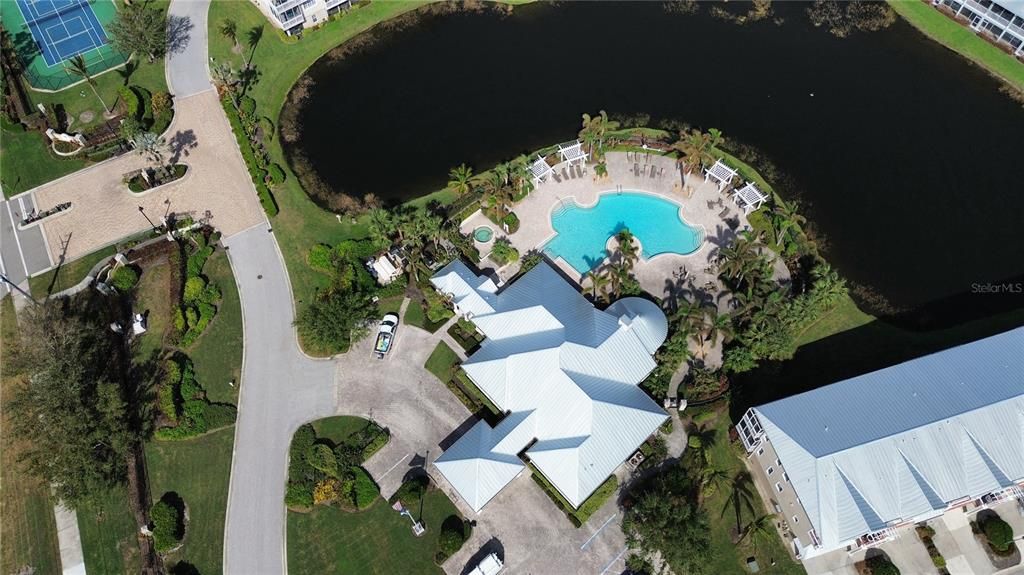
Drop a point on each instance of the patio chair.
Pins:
(636, 170)
(724, 213)
(554, 175)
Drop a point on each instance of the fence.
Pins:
(54, 78)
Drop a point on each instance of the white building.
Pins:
(564, 373)
(1003, 21)
(294, 15)
(852, 463)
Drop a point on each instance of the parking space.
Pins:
(23, 250)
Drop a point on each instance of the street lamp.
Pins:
(143, 212)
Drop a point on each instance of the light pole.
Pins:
(143, 212)
(3, 277)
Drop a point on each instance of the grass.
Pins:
(26, 161)
(339, 428)
(442, 361)
(27, 525)
(726, 556)
(198, 471)
(961, 40)
(377, 540)
(844, 316)
(67, 275)
(465, 334)
(108, 534)
(474, 391)
(416, 316)
(217, 354)
(151, 297)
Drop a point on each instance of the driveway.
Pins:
(187, 61)
(23, 250)
(281, 389)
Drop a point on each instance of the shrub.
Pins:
(197, 260)
(132, 104)
(364, 489)
(503, 252)
(597, 499)
(412, 491)
(512, 221)
(939, 561)
(145, 105)
(298, 495)
(326, 491)
(124, 278)
(161, 103)
(276, 174)
(321, 457)
(266, 199)
(453, 535)
(378, 441)
(219, 415)
(320, 257)
(999, 533)
(194, 287)
(880, 565)
(168, 523)
(167, 400)
(246, 105)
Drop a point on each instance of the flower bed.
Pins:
(137, 183)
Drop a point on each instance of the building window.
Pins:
(770, 470)
(778, 487)
(796, 519)
(760, 451)
(308, 4)
(786, 477)
(778, 461)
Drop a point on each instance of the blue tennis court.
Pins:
(62, 28)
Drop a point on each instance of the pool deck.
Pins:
(702, 206)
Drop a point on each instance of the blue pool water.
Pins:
(583, 232)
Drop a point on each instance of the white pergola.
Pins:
(720, 173)
(540, 170)
(748, 197)
(572, 152)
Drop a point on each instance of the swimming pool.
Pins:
(582, 233)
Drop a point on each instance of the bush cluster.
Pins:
(124, 278)
(255, 162)
(999, 534)
(321, 473)
(454, 533)
(167, 518)
(199, 296)
(183, 401)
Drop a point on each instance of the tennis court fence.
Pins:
(57, 79)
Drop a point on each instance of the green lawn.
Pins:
(217, 354)
(961, 40)
(26, 161)
(108, 535)
(339, 428)
(27, 526)
(442, 361)
(152, 298)
(846, 315)
(378, 540)
(68, 274)
(198, 471)
(726, 556)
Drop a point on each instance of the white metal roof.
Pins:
(720, 172)
(749, 197)
(567, 373)
(904, 441)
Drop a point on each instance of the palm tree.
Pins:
(383, 227)
(459, 179)
(701, 438)
(77, 66)
(225, 77)
(740, 496)
(616, 274)
(502, 172)
(718, 325)
(150, 145)
(598, 284)
(503, 197)
(603, 127)
(229, 29)
(627, 249)
(739, 257)
(253, 37)
(711, 478)
(587, 132)
(759, 530)
(784, 218)
(696, 148)
(519, 173)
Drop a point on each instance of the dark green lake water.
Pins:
(906, 157)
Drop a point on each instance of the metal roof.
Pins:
(904, 441)
(566, 372)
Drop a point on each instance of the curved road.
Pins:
(281, 388)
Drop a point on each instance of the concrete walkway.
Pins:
(72, 560)
(187, 70)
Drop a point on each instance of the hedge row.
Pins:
(262, 191)
(321, 474)
(183, 400)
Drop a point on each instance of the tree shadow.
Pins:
(180, 144)
(179, 31)
(129, 68)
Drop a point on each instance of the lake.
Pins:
(906, 157)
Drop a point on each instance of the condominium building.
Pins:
(850, 465)
(293, 15)
(1002, 21)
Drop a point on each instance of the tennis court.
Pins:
(47, 33)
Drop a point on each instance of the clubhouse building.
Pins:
(564, 373)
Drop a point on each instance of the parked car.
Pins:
(490, 565)
(385, 335)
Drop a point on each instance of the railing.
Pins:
(281, 7)
(294, 21)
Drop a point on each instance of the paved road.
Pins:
(187, 64)
(22, 251)
(281, 390)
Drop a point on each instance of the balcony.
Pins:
(281, 7)
(295, 20)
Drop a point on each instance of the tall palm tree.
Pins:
(701, 438)
(224, 76)
(253, 37)
(459, 179)
(759, 530)
(502, 171)
(616, 274)
(785, 217)
(503, 197)
(76, 65)
(229, 29)
(598, 284)
(718, 326)
(627, 249)
(519, 173)
(740, 496)
(382, 227)
(696, 148)
(603, 127)
(588, 131)
(711, 478)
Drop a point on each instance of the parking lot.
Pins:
(23, 250)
